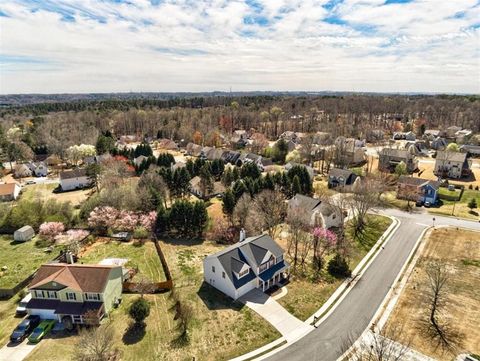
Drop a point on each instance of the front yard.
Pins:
(21, 260)
(459, 251)
(45, 191)
(220, 328)
(305, 295)
(459, 208)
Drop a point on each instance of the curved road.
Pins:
(353, 315)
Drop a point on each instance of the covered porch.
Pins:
(272, 276)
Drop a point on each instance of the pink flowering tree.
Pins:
(101, 219)
(148, 220)
(324, 241)
(49, 230)
(104, 218)
(71, 236)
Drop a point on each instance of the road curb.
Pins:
(388, 303)
(333, 301)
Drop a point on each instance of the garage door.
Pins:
(44, 314)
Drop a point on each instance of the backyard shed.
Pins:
(23, 234)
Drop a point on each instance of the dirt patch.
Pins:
(459, 251)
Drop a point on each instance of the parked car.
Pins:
(427, 204)
(24, 328)
(22, 305)
(41, 331)
(30, 181)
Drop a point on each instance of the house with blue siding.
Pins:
(254, 262)
(417, 189)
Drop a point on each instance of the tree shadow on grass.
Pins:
(134, 333)
(181, 241)
(370, 234)
(216, 300)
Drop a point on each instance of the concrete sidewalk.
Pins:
(289, 326)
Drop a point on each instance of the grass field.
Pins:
(220, 328)
(8, 321)
(460, 209)
(144, 256)
(305, 296)
(21, 260)
(459, 251)
(45, 191)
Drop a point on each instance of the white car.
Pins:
(22, 305)
(31, 181)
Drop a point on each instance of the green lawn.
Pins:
(21, 260)
(443, 191)
(8, 321)
(306, 295)
(220, 328)
(144, 256)
(459, 208)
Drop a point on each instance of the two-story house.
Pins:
(74, 179)
(255, 262)
(452, 165)
(315, 212)
(389, 158)
(61, 290)
(350, 151)
(417, 189)
(342, 178)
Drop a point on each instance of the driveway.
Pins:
(353, 314)
(289, 326)
(16, 352)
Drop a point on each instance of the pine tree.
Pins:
(238, 189)
(296, 187)
(472, 204)
(228, 202)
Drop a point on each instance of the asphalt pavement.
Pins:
(353, 315)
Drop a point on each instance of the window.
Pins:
(71, 296)
(243, 273)
(223, 274)
(213, 269)
(92, 296)
(39, 294)
(51, 294)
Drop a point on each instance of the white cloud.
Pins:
(204, 45)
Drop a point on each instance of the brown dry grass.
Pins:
(459, 250)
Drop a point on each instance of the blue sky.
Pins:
(51, 46)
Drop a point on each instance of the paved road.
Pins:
(353, 314)
(288, 325)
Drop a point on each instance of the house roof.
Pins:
(337, 172)
(80, 277)
(304, 202)
(64, 308)
(74, 173)
(24, 229)
(392, 152)
(418, 182)
(255, 248)
(7, 189)
(451, 156)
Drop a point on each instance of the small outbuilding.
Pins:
(23, 234)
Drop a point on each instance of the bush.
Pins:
(139, 310)
(140, 233)
(338, 267)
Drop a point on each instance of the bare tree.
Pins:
(385, 345)
(299, 244)
(96, 344)
(267, 212)
(365, 197)
(438, 328)
(242, 208)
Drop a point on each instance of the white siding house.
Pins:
(256, 262)
(74, 179)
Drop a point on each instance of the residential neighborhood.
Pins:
(239, 180)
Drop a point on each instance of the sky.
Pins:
(83, 46)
